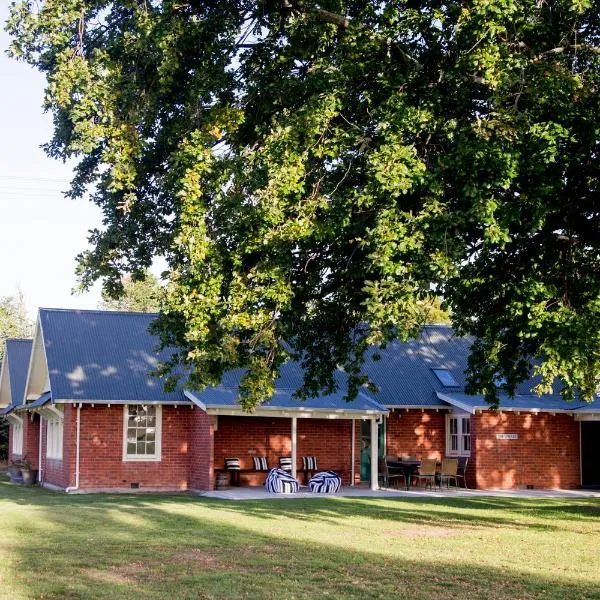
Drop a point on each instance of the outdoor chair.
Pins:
(325, 482)
(232, 464)
(309, 467)
(449, 470)
(280, 482)
(285, 463)
(389, 475)
(461, 472)
(426, 472)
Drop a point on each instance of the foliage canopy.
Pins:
(137, 295)
(316, 172)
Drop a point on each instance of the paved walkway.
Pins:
(258, 493)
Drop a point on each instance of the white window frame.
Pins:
(463, 422)
(17, 438)
(54, 438)
(157, 436)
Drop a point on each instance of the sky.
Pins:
(41, 232)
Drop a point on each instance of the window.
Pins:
(17, 438)
(446, 378)
(54, 438)
(458, 436)
(142, 432)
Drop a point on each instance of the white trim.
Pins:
(156, 457)
(459, 433)
(17, 438)
(54, 434)
(39, 331)
(294, 445)
(119, 402)
(353, 454)
(374, 454)
(49, 412)
(14, 419)
(580, 458)
(5, 380)
(589, 416)
(76, 486)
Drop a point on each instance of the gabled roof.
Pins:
(19, 352)
(14, 370)
(103, 356)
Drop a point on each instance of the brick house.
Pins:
(86, 411)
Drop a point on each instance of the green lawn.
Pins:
(58, 546)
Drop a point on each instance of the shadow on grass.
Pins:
(182, 547)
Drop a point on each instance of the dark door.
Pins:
(590, 453)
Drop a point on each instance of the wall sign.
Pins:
(507, 436)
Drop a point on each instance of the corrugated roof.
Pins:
(103, 355)
(43, 399)
(221, 397)
(546, 403)
(18, 353)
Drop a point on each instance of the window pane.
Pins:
(454, 442)
(150, 436)
(131, 448)
(141, 448)
(150, 448)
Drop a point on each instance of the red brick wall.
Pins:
(416, 433)
(101, 451)
(330, 440)
(546, 454)
(31, 438)
(201, 474)
(56, 471)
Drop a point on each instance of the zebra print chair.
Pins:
(280, 482)
(325, 482)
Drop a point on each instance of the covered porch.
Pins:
(326, 428)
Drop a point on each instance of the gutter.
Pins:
(76, 486)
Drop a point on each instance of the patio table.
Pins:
(408, 467)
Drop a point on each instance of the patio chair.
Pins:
(461, 472)
(285, 463)
(448, 473)
(309, 467)
(325, 482)
(426, 472)
(389, 475)
(232, 464)
(280, 482)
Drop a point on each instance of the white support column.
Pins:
(374, 454)
(353, 451)
(294, 444)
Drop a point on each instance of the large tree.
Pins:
(314, 172)
(138, 295)
(14, 323)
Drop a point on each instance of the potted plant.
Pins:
(14, 471)
(28, 474)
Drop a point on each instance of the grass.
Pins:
(126, 546)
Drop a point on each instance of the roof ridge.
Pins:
(98, 311)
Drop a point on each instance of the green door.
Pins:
(365, 447)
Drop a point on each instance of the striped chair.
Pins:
(309, 467)
(325, 482)
(285, 463)
(232, 464)
(280, 482)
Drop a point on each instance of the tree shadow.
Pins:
(183, 547)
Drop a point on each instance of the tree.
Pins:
(13, 324)
(139, 295)
(311, 172)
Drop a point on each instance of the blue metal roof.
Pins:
(6, 410)
(43, 399)
(103, 356)
(18, 353)
(221, 397)
(546, 403)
